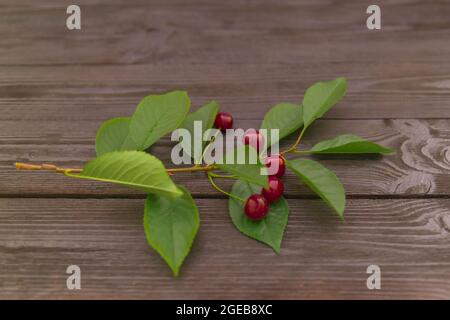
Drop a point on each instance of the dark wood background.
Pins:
(57, 86)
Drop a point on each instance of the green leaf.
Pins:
(113, 136)
(322, 181)
(254, 173)
(320, 97)
(170, 226)
(135, 169)
(287, 117)
(269, 230)
(348, 143)
(156, 116)
(206, 115)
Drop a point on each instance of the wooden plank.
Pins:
(420, 167)
(376, 90)
(232, 32)
(241, 54)
(320, 257)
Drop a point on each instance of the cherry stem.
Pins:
(222, 176)
(210, 177)
(293, 148)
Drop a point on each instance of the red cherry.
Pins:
(223, 121)
(276, 160)
(254, 139)
(256, 207)
(276, 188)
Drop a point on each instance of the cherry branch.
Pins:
(44, 167)
(52, 167)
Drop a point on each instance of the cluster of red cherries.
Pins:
(257, 205)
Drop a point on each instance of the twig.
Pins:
(297, 142)
(45, 167)
(221, 190)
(52, 167)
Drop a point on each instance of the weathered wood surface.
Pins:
(320, 258)
(57, 86)
(378, 89)
(215, 50)
(421, 165)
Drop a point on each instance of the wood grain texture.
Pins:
(57, 86)
(242, 32)
(320, 257)
(385, 89)
(246, 54)
(421, 165)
